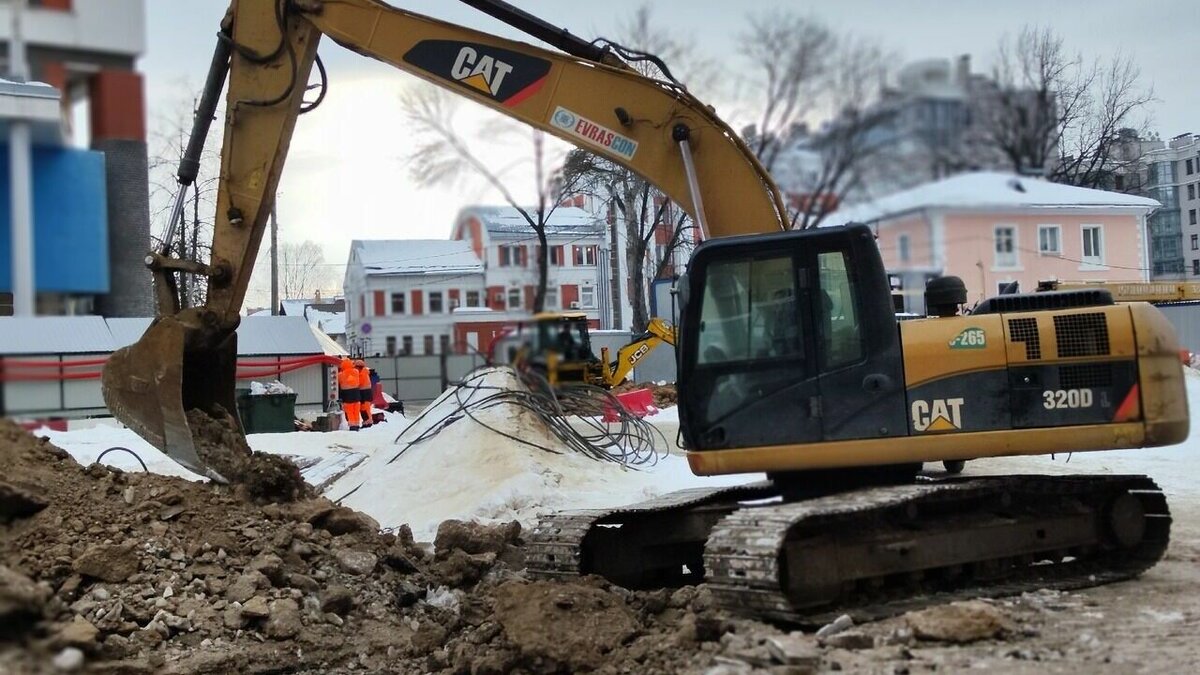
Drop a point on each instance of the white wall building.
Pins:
(400, 294)
(502, 238)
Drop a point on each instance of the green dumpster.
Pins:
(266, 413)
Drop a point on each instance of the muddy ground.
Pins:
(111, 572)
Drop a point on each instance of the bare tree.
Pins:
(302, 270)
(1055, 113)
(193, 239)
(793, 55)
(807, 71)
(444, 156)
(646, 215)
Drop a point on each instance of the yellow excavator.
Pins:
(558, 345)
(791, 360)
(1154, 292)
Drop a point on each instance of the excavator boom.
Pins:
(265, 54)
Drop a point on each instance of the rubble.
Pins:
(959, 622)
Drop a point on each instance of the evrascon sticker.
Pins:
(507, 76)
(593, 133)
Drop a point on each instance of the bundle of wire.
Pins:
(628, 441)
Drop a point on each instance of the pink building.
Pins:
(992, 229)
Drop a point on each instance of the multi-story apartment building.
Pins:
(502, 238)
(402, 295)
(1172, 177)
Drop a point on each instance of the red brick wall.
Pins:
(570, 293)
(118, 106)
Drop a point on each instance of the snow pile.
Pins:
(484, 467)
(276, 387)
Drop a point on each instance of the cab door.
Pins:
(749, 377)
(858, 356)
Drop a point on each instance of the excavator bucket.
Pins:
(175, 367)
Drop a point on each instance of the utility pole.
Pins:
(274, 261)
(21, 185)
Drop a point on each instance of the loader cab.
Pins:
(789, 338)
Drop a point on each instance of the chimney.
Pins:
(963, 73)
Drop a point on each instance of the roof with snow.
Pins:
(563, 221)
(330, 323)
(257, 336)
(415, 256)
(987, 190)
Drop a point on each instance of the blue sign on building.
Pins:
(70, 221)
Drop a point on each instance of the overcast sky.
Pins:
(346, 177)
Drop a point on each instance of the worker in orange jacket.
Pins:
(364, 393)
(348, 393)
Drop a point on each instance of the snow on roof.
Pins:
(564, 220)
(55, 335)
(257, 336)
(987, 190)
(415, 256)
(327, 344)
(330, 323)
(276, 335)
(293, 307)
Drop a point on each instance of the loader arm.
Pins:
(658, 333)
(187, 359)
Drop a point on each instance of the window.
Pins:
(398, 303)
(587, 297)
(435, 302)
(428, 344)
(1093, 245)
(472, 298)
(556, 256)
(1190, 169)
(748, 312)
(902, 244)
(584, 255)
(1048, 239)
(837, 316)
(551, 297)
(1192, 191)
(406, 348)
(391, 345)
(1191, 216)
(1195, 242)
(1006, 246)
(444, 343)
(514, 298)
(510, 255)
(1196, 268)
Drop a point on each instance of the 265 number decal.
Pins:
(1067, 398)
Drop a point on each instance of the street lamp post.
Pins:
(21, 182)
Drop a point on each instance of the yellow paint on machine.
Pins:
(929, 354)
(931, 448)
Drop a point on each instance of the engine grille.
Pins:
(1082, 334)
(1026, 331)
(1085, 375)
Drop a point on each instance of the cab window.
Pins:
(837, 312)
(749, 312)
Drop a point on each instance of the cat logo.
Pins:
(504, 75)
(942, 414)
(482, 72)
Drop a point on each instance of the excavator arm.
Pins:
(659, 332)
(266, 50)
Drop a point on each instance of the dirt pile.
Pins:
(112, 572)
(122, 572)
(262, 476)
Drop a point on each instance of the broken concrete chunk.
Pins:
(256, 608)
(356, 562)
(794, 650)
(109, 562)
(959, 622)
(843, 622)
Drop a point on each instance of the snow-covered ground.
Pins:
(469, 471)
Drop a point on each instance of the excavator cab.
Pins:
(787, 339)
